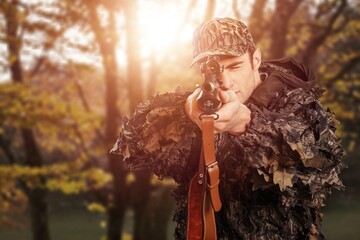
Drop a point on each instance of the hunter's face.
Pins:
(239, 74)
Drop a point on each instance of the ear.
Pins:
(257, 59)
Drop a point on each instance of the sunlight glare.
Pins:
(166, 25)
(160, 26)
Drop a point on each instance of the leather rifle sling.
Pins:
(208, 182)
(195, 204)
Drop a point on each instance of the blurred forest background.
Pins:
(70, 70)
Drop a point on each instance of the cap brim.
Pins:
(205, 54)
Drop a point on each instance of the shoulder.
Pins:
(159, 121)
(160, 136)
(165, 105)
(289, 66)
(278, 75)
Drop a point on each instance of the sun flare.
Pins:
(160, 25)
(164, 25)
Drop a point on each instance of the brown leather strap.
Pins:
(208, 218)
(211, 165)
(203, 196)
(195, 206)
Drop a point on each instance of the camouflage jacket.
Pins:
(274, 177)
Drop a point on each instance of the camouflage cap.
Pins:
(221, 36)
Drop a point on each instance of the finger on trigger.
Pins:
(227, 96)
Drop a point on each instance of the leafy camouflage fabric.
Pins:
(274, 178)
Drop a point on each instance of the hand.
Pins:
(233, 115)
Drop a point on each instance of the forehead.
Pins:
(226, 60)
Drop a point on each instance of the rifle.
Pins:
(203, 197)
(209, 101)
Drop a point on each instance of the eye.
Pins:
(234, 67)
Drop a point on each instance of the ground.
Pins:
(70, 220)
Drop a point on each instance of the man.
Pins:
(275, 144)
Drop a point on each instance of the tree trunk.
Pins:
(236, 10)
(39, 214)
(141, 188)
(210, 10)
(116, 211)
(319, 35)
(135, 85)
(257, 24)
(279, 26)
(37, 196)
(153, 73)
(107, 40)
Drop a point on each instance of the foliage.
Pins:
(12, 201)
(44, 99)
(66, 54)
(61, 128)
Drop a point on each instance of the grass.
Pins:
(66, 224)
(69, 221)
(341, 221)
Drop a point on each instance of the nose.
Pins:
(225, 80)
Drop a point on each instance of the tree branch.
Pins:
(320, 36)
(257, 22)
(324, 8)
(342, 25)
(86, 106)
(345, 69)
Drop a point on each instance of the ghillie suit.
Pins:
(273, 178)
